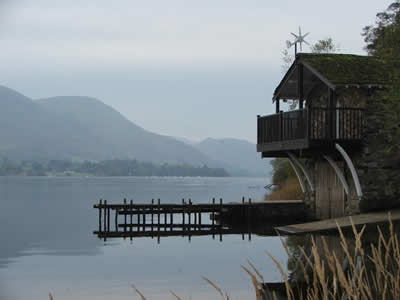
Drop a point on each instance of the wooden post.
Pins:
(165, 219)
(158, 213)
(331, 113)
(300, 85)
(249, 209)
(100, 215)
(220, 216)
(277, 108)
(195, 220)
(158, 219)
(281, 129)
(144, 218)
(152, 217)
(308, 123)
(105, 215)
(190, 215)
(131, 218)
(171, 220)
(183, 214)
(249, 220)
(105, 220)
(125, 216)
(213, 218)
(108, 219)
(116, 219)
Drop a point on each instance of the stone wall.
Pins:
(378, 165)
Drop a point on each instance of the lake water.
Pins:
(47, 242)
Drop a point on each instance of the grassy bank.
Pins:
(287, 190)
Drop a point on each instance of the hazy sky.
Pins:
(189, 68)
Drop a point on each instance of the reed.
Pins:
(356, 272)
(289, 190)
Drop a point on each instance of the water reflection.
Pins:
(54, 215)
(48, 224)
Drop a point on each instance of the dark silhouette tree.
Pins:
(383, 38)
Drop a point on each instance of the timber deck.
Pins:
(134, 220)
(373, 218)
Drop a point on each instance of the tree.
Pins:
(325, 46)
(383, 38)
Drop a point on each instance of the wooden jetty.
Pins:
(132, 220)
(369, 219)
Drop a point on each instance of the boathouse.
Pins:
(343, 140)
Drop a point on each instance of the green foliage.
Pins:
(383, 38)
(115, 167)
(325, 46)
(282, 171)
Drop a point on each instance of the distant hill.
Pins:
(239, 157)
(81, 128)
(84, 128)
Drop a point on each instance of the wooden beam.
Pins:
(300, 85)
(332, 110)
(277, 102)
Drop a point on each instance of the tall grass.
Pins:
(289, 190)
(355, 272)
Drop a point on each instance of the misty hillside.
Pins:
(239, 156)
(81, 128)
(84, 128)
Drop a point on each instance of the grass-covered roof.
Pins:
(348, 69)
(338, 70)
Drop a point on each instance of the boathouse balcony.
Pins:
(308, 129)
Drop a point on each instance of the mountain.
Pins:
(81, 128)
(84, 128)
(239, 157)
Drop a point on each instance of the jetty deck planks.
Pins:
(343, 222)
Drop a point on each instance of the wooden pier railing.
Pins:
(316, 123)
(132, 220)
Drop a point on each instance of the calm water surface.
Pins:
(47, 244)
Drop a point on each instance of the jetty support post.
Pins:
(100, 202)
(144, 218)
(189, 214)
(171, 220)
(220, 215)
(213, 220)
(158, 219)
(249, 220)
(131, 217)
(152, 217)
(183, 215)
(125, 216)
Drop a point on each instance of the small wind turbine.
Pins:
(298, 39)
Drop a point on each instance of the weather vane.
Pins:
(298, 39)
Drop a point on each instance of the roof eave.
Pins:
(292, 68)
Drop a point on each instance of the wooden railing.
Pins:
(316, 123)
